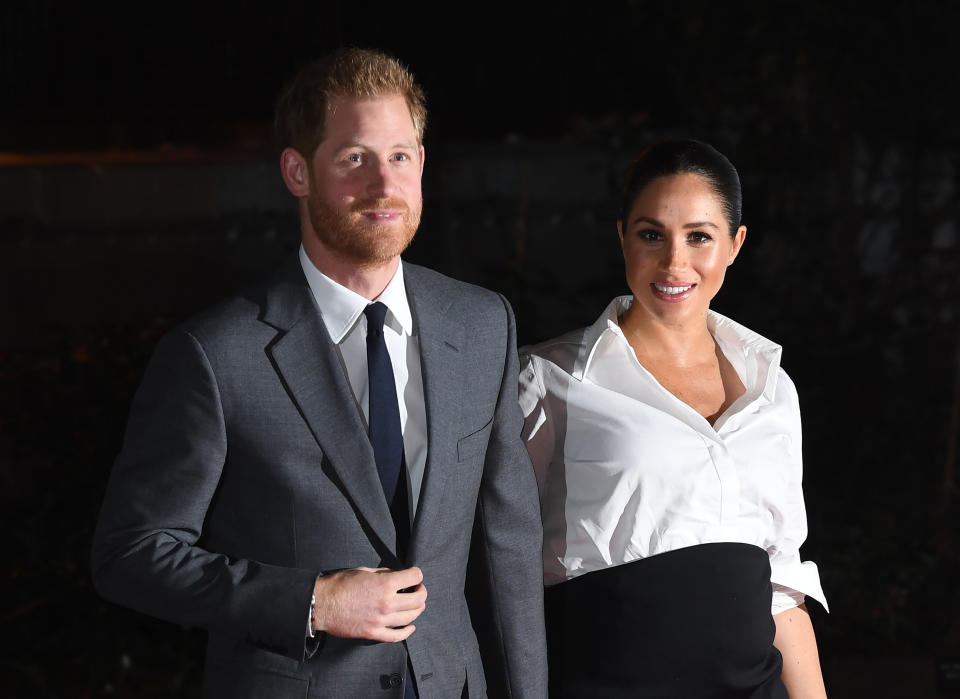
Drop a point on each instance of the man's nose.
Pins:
(380, 181)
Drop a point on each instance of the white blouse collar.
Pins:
(755, 358)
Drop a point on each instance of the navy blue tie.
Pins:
(384, 421)
(387, 439)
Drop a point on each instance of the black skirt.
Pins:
(693, 623)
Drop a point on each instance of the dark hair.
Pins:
(302, 108)
(679, 156)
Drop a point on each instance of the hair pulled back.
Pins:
(682, 156)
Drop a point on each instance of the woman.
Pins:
(666, 442)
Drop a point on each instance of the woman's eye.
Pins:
(699, 237)
(649, 234)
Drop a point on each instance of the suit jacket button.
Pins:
(391, 681)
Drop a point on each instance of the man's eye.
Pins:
(354, 158)
(401, 156)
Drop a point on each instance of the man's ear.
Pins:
(296, 175)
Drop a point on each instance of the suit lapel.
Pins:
(441, 341)
(307, 361)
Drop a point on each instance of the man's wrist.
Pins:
(312, 629)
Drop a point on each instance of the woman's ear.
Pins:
(738, 239)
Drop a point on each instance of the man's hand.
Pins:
(374, 603)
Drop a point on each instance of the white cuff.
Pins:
(785, 598)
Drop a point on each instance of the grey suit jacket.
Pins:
(246, 471)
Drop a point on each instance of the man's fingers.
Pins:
(404, 618)
(408, 577)
(389, 635)
(411, 598)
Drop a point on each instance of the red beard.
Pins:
(358, 239)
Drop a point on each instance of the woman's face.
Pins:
(676, 248)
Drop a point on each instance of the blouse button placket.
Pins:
(729, 484)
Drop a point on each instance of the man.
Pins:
(302, 465)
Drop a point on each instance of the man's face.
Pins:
(364, 202)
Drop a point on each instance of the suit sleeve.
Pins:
(145, 549)
(509, 523)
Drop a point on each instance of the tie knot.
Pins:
(376, 313)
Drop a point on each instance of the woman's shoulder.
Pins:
(548, 365)
(786, 390)
(561, 351)
(565, 351)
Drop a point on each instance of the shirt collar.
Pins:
(755, 358)
(606, 328)
(340, 307)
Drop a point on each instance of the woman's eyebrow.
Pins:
(647, 219)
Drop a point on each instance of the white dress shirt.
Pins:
(342, 313)
(626, 470)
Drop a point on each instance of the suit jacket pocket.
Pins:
(474, 443)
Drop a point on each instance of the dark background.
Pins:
(137, 185)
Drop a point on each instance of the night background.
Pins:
(138, 185)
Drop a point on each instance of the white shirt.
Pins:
(342, 313)
(626, 470)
